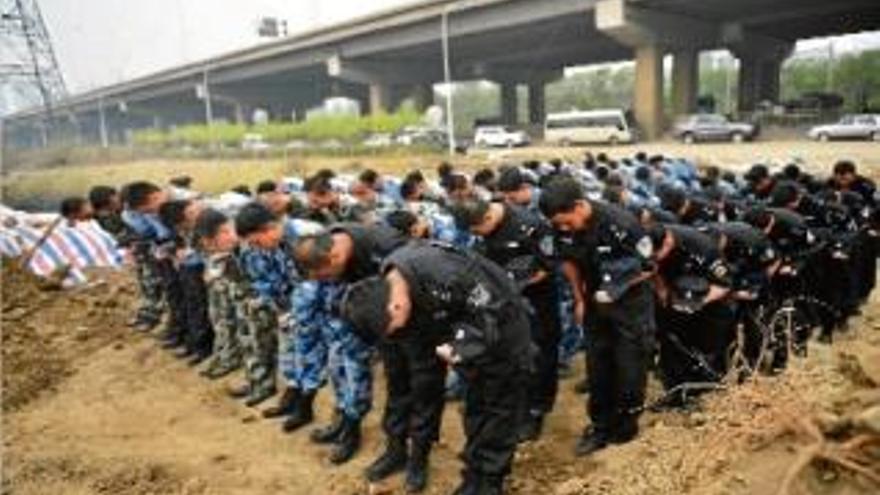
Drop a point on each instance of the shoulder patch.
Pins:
(547, 245)
(719, 270)
(645, 247)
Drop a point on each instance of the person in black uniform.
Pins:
(522, 243)
(832, 275)
(690, 210)
(697, 323)
(759, 183)
(753, 261)
(414, 373)
(798, 248)
(468, 310)
(607, 255)
(847, 178)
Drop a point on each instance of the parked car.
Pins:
(254, 142)
(499, 136)
(382, 140)
(864, 126)
(591, 126)
(420, 136)
(713, 127)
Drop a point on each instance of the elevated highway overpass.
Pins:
(384, 58)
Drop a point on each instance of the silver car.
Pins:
(712, 127)
(864, 126)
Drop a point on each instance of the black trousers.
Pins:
(199, 335)
(694, 347)
(545, 331)
(415, 379)
(865, 265)
(619, 345)
(494, 398)
(175, 299)
(753, 333)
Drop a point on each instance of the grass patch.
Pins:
(43, 188)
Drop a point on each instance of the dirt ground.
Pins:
(91, 408)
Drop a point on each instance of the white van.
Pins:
(593, 126)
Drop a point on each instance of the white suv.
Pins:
(865, 126)
(497, 135)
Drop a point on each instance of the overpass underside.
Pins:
(511, 42)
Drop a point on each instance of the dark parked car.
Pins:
(713, 127)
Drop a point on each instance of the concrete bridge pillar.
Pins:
(380, 98)
(423, 96)
(760, 60)
(537, 104)
(648, 98)
(508, 103)
(758, 80)
(685, 81)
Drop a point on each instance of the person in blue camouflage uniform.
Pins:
(271, 274)
(370, 201)
(324, 345)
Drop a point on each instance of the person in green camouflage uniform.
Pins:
(214, 233)
(226, 299)
(146, 234)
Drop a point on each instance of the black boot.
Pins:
(627, 429)
(255, 399)
(170, 343)
(198, 358)
(348, 441)
(303, 412)
(392, 460)
(590, 443)
(331, 432)
(217, 372)
(531, 427)
(285, 404)
(238, 392)
(183, 353)
(473, 484)
(417, 469)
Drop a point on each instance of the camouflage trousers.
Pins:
(317, 344)
(226, 314)
(259, 345)
(150, 274)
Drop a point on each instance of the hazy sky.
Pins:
(100, 42)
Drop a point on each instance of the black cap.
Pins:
(671, 199)
(402, 220)
(469, 212)
(364, 306)
(511, 179)
(784, 193)
(757, 173)
(181, 181)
